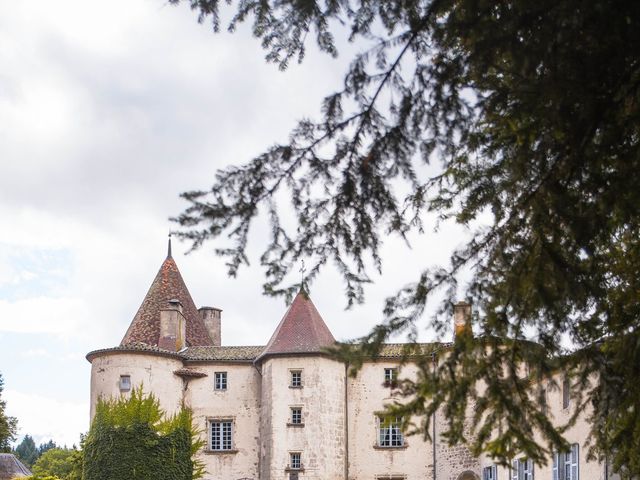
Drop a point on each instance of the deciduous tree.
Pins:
(520, 116)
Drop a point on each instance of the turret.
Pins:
(303, 429)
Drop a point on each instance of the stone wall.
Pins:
(367, 460)
(153, 372)
(321, 439)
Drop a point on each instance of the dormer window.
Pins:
(125, 383)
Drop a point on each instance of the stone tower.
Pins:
(302, 429)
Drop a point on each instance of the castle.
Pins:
(286, 410)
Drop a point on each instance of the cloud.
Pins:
(46, 418)
(35, 352)
(61, 316)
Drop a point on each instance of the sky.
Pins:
(108, 111)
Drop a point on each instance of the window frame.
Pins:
(522, 469)
(225, 445)
(390, 376)
(293, 381)
(389, 432)
(490, 472)
(124, 385)
(566, 465)
(296, 413)
(220, 381)
(566, 393)
(295, 461)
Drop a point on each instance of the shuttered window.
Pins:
(566, 465)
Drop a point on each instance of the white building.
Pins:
(287, 411)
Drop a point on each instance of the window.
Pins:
(522, 469)
(490, 473)
(293, 476)
(390, 377)
(565, 465)
(296, 378)
(391, 477)
(220, 382)
(125, 383)
(566, 393)
(296, 415)
(221, 435)
(543, 401)
(390, 433)
(295, 460)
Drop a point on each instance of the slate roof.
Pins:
(301, 330)
(167, 285)
(11, 467)
(235, 353)
(400, 350)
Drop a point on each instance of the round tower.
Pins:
(148, 355)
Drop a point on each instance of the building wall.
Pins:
(259, 403)
(321, 441)
(240, 402)
(368, 396)
(153, 372)
(578, 433)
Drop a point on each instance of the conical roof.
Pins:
(301, 330)
(168, 285)
(11, 467)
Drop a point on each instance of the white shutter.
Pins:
(566, 466)
(574, 462)
(515, 467)
(555, 467)
(529, 470)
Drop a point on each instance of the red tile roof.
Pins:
(168, 285)
(301, 330)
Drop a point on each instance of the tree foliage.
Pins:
(131, 438)
(62, 463)
(520, 116)
(43, 447)
(27, 451)
(8, 425)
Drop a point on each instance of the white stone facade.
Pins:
(283, 413)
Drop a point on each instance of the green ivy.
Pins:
(132, 439)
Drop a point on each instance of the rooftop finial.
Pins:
(302, 270)
(169, 247)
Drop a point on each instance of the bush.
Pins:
(130, 438)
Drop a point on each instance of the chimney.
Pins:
(461, 319)
(211, 317)
(172, 327)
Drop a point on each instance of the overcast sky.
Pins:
(108, 110)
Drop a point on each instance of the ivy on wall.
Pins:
(132, 438)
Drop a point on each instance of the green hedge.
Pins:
(129, 439)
